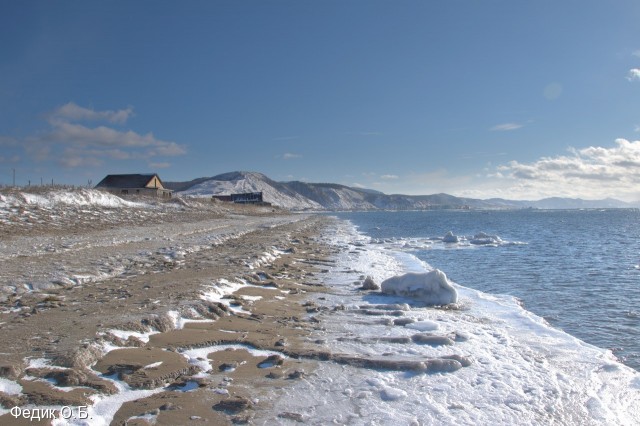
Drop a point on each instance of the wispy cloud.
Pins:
(505, 127)
(6, 141)
(389, 177)
(633, 74)
(74, 112)
(290, 156)
(636, 53)
(161, 165)
(75, 144)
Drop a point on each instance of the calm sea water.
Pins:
(577, 269)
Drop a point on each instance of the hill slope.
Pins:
(298, 195)
(238, 182)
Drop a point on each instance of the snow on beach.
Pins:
(80, 197)
(523, 371)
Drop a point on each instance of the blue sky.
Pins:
(516, 99)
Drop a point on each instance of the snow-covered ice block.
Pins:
(432, 288)
(450, 238)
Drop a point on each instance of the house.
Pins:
(135, 184)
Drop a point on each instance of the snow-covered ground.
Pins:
(63, 238)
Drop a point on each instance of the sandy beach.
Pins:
(238, 304)
(141, 312)
(184, 312)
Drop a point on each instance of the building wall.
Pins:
(155, 183)
(153, 192)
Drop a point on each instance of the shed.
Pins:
(135, 184)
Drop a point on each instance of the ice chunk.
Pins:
(432, 287)
(485, 239)
(450, 238)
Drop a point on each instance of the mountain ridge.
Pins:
(298, 195)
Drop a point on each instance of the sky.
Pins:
(497, 98)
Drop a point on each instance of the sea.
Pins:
(548, 314)
(577, 269)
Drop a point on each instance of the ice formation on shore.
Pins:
(485, 239)
(431, 287)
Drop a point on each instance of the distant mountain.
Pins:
(555, 203)
(577, 203)
(298, 195)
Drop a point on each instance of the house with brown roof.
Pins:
(135, 184)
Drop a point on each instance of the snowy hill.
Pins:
(238, 182)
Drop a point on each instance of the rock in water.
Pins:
(432, 288)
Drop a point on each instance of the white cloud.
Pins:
(77, 145)
(633, 74)
(505, 127)
(73, 112)
(593, 172)
(290, 156)
(389, 177)
(358, 185)
(636, 53)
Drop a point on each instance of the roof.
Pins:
(127, 181)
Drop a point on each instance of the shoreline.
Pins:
(264, 320)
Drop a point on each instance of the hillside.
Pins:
(298, 195)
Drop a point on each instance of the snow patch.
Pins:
(10, 387)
